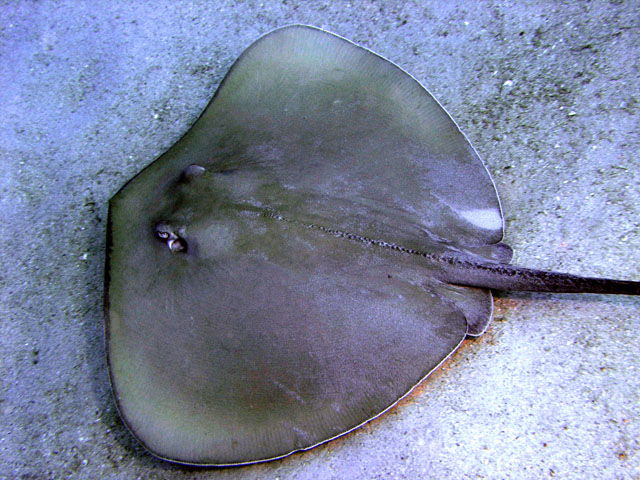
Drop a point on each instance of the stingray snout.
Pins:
(167, 234)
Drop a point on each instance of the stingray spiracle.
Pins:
(167, 234)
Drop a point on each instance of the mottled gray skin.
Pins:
(317, 244)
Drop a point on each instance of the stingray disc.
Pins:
(263, 292)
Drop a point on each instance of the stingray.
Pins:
(320, 240)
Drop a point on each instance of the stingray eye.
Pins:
(191, 172)
(162, 231)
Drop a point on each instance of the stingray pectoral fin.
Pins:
(320, 118)
(284, 339)
(498, 252)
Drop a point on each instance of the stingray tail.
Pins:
(498, 276)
